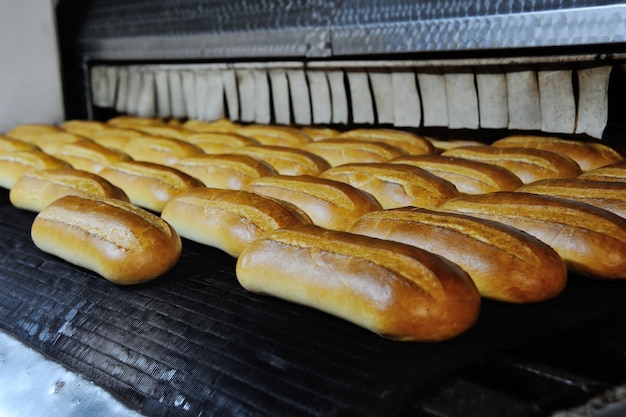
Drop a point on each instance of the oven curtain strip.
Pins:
(562, 99)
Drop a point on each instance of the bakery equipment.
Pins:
(194, 342)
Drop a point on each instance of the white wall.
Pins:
(30, 79)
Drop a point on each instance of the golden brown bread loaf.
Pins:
(347, 151)
(229, 219)
(505, 263)
(442, 145)
(395, 185)
(219, 142)
(165, 151)
(319, 132)
(275, 135)
(14, 164)
(85, 128)
(227, 171)
(48, 142)
(221, 125)
(115, 138)
(610, 196)
(591, 241)
(588, 155)
(392, 289)
(116, 239)
(37, 189)
(8, 144)
(470, 177)
(330, 204)
(286, 160)
(165, 131)
(132, 122)
(527, 163)
(29, 132)
(149, 185)
(87, 155)
(411, 143)
(613, 173)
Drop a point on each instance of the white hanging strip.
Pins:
(146, 100)
(202, 92)
(338, 96)
(99, 84)
(557, 102)
(161, 84)
(134, 87)
(320, 97)
(383, 96)
(262, 102)
(177, 99)
(462, 100)
(593, 100)
(360, 97)
(280, 96)
(300, 96)
(122, 90)
(434, 100)
(247, 101)
(112, 80)
(214, 104)
(523, 100)
(407, 110)
(189, 93)
(492, 100)
(230, 92)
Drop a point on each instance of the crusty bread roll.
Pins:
(48, 142)
(610, 196)
(347, 151)
(116, 239)
(330, 204)
(227, 171)
(37, 189)
(229, 219)
(613, 173)
(505, 263)
(8, 144)
(87, 155)
(319, 132)
(588, 155)
(86, 128)
(395, 185)
(29, 132)
(115, 138)
(17, 163)
(591, 241)
(411, 143)
(275, 135)
(392, 289)
(165, 131)
(149, 185)
(442, 145)
(220, 125)
(470, 177)
(287, 160)
(165, 151)
(527, 163)
(132, 122)
(219, 142)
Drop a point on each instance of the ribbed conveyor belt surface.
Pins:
(194, 342)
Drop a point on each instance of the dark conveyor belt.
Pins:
(194, 342)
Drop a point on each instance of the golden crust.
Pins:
(347, 151)
(87, 155)
(119, 241)
(165, 151)
(8, 144)
(613, 173)
(286, 160)
(275, 135)
(395, 185)
(15, 164)
(392, 289)
(85, 128)
(506, 264)
(219, 142)
(411, 143)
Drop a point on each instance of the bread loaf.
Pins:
(614, 173)
(330, 204)
(588, 155)
(275, 135)
(115, 138)
(319, 132)
(30, 132)
(165, 131)
(442, 145)
(37, 189)
(219, 142)
(85, 128)
(392, 289)
(221, 125)
(118, 240)
(505, 263)
(395, 185)
(149, 185)
(591, 241)
(610, 196)
(165, 151)
(227, 171)
(228, 219)
(48, 142)
(347, 151)
(286, 160)
(8, 144)
(17, 163)
(132, 122)
(410, 143)
(87, 155)
(468, 176)
(528, 164)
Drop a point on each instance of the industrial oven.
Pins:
(193, 342)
